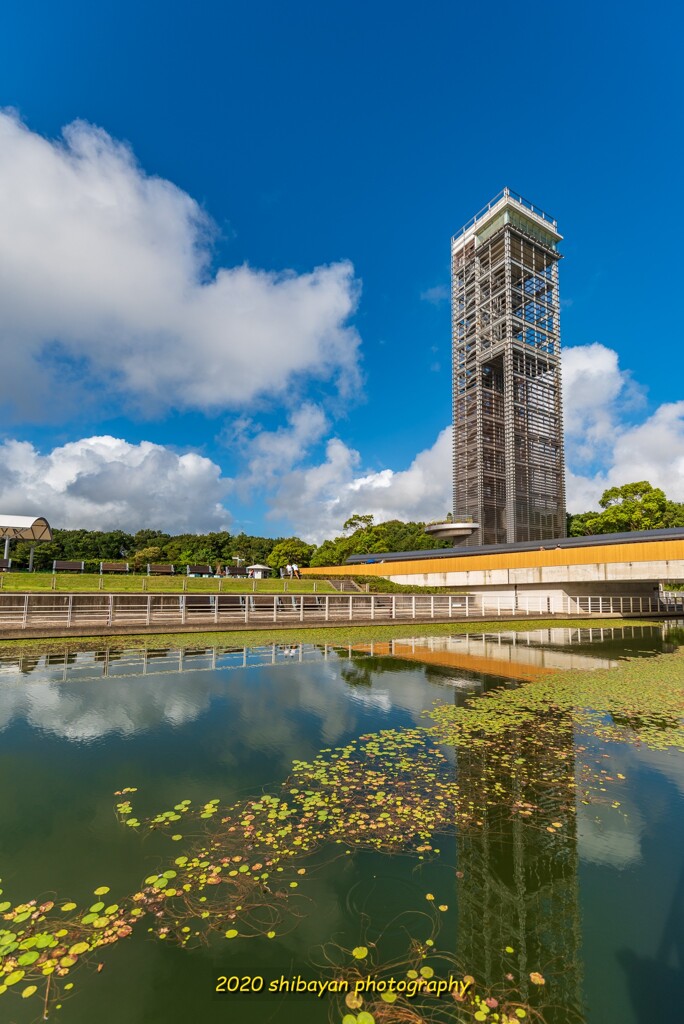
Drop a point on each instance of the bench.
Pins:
(5, 564)
(200, 570)
(113, 567)
(58, 566)
(160, 570)
(235, 570)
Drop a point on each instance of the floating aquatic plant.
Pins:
(518, 759)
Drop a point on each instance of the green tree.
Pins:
(357, 522)
(291, 550)
(581, 524)
(371, 538)
(633, 506)
(146, 538)
(145, 555)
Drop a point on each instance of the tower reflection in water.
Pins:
(519, 888)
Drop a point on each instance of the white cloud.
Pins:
(597, 395)
(271, 453)
(605, 446)
(106, 288)
(318, 499)
(105, 483)
(437, 295)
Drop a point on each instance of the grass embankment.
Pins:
(77, 582)
(380, 585)
(80, 582)
(341, 635)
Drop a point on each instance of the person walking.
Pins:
(295, 571)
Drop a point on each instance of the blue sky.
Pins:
(350, 137)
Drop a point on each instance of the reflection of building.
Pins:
(508, 434)
(519, 887)
(514, 655)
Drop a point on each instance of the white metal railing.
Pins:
(506, 193)
(76, 611)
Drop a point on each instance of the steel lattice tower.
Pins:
(509, 472)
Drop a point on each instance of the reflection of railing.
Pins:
(70, 612)
(145, 662)
(543, 647)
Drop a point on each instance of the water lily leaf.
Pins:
(231, 933)
(28, 991)
(28, 958)
(78, 948)
(67, 907)
(360, 952)
(101, 890)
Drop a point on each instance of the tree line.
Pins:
(361, 535)
(635, 506)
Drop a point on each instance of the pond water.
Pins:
(596, 907)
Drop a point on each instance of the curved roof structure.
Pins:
(593, 540)
(25, 528)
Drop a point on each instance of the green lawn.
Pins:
(77, 582)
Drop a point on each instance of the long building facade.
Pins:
(508, 462)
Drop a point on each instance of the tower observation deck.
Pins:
(507, 414)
